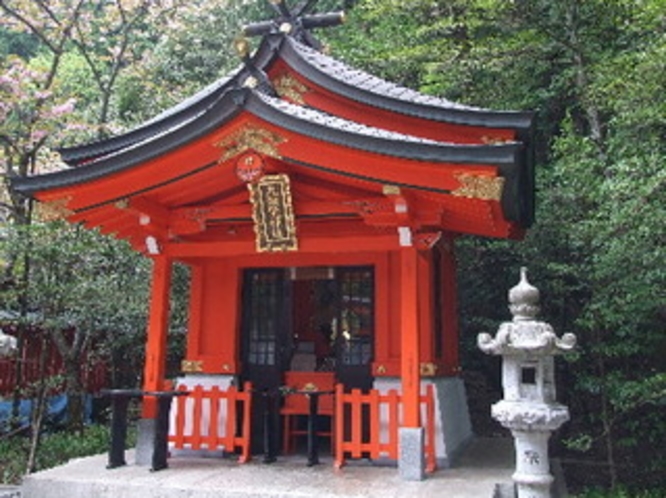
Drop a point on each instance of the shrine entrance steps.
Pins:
(485, 463)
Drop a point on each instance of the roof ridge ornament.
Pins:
(252, 77)
(295, 22)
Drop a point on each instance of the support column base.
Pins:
(145, 442)
(453, 429)
(411, 457)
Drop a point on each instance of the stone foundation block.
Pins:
(411, 457)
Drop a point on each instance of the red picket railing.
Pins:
(369, 410)
(93, 374)
(210, 418)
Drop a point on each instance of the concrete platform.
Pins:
(485, 463)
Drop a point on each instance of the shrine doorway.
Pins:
(304, 319)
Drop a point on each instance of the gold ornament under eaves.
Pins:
(191, 366)
(250, 138)
(55, 210)
(486, 188)
(288, 87)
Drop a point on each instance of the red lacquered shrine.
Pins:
(317, 207)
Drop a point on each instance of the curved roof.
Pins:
(345, 143)
(305, 121)
(326, 72)
(367, 88)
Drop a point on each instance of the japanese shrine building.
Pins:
(318, 208)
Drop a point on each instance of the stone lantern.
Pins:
(7, 344)
(529, 408)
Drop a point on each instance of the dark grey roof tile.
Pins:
(334, 122)
(356, 77)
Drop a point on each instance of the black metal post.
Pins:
(118, 431)
(313, 436)
(119, 402)
(161, 439)
(269, 436)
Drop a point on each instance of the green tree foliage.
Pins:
(594, 71)
(89, 293)
(196, 49)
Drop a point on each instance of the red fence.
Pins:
(369, 411)
(94, 376)
(214, 419)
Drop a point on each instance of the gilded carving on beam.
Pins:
(273, 214)
(122, 203)
(427, 240)
(288, 87)
(55, 210)
(191, 366)
(428, 369)
(486, 139)
(250, 138)
(390, 189)
(486, 188)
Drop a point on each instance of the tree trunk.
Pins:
(74, 390)
(24, 220)
(582, 83)
(38, 410)
(607, 423)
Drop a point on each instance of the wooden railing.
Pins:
(369, 411)
(213, 419)
(93, 374)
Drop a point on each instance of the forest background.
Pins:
(594, 71)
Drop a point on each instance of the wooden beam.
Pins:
(156, 340)
(238, 211)
(115, 225)
(183, 250)
(158, 214)
(192, 192)
(93, 216)
(185, 216)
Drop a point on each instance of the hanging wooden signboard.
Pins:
(273, 214)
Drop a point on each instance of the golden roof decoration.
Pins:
(288, 87)
(55, 210)
(250, 138)
(486, 188)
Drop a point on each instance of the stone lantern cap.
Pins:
(525, 335)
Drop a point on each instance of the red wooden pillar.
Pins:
(409, 336)
(158, 325)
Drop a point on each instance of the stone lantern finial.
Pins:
(524, 299)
